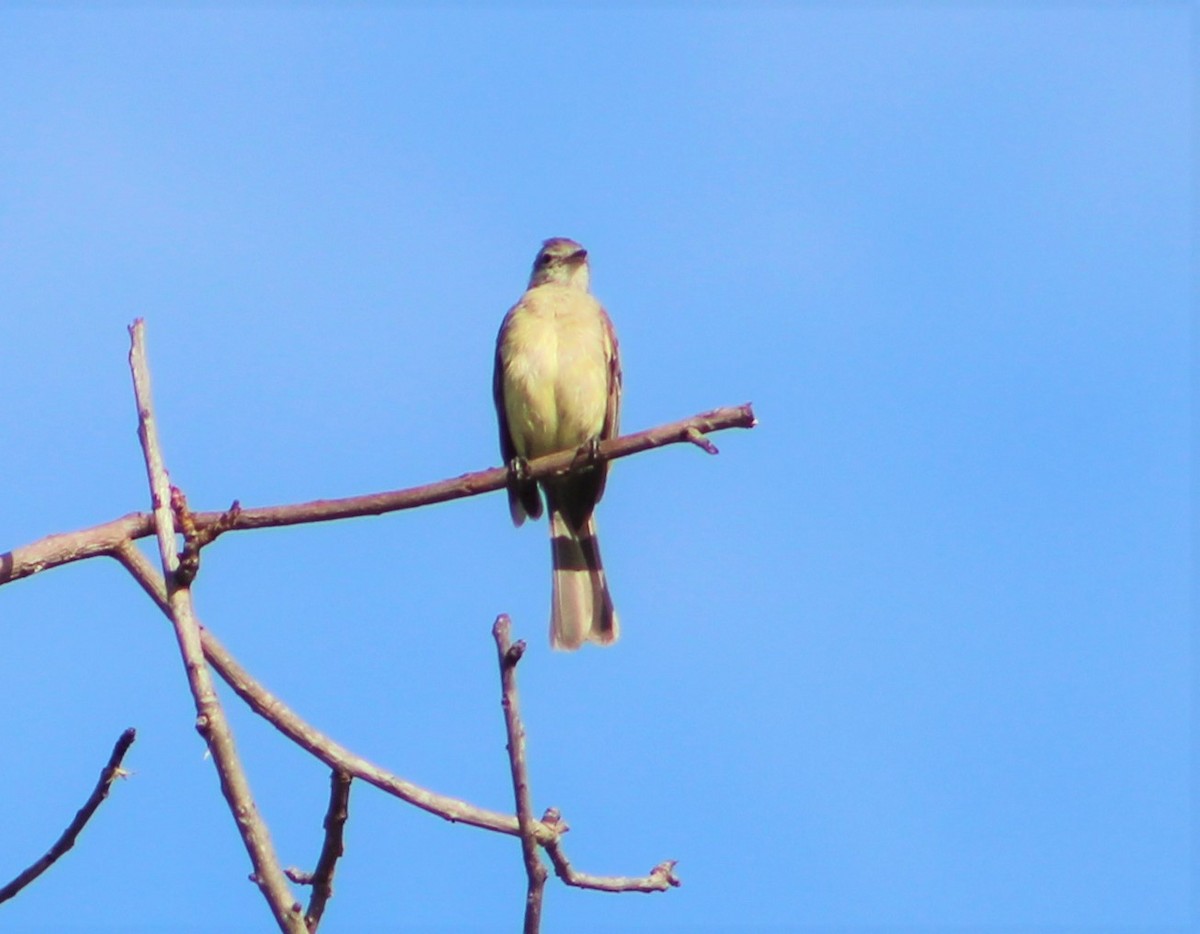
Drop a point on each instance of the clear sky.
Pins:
(915, 652)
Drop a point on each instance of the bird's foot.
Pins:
(518, 472)
(587, 455)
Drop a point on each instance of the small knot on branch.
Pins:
(666, 871)
(510, 652)
(553, 820)
(196, 537)
(189, 558)
(226, 521)
(514, 653)
(692, 434)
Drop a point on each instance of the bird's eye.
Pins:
(544, 259)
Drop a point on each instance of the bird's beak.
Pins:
(579, 255)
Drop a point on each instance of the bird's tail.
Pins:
(581, 609)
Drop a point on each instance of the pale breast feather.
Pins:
(556, 353)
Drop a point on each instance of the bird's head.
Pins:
(563, 261)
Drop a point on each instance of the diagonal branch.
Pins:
(105, 539)
(107, 775)
(548, 830)
(306, 736)
(509, 654)
(210, 718)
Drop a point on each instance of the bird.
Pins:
(557, 387)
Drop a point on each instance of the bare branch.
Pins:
(661, 877)
(67, 547)
(548, 830)
(321, 879)
(508, 655)
(337, 756)
(56, 550)
(110, 772)
(138, 565)
(307, 737)
(485, 481)
(210, 718)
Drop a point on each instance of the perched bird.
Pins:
(557, 387)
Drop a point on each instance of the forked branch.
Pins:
(509, 654)
(549, 830)
(210, 717)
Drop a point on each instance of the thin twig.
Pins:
(321, 878)
(660, 878)
(55, 550)
(335, 823)
(210, 718)
(108, 774)
(509, 654)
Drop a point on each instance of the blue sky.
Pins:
(913, 653)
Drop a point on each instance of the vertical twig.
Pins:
(210, 718)
(67, 839)
(509, 654)
(331, 851)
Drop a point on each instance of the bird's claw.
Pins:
(587, 455)
(518, 471)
